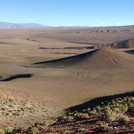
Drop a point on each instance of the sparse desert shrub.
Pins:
(93, 111)
(2, 131)
(75, 113)
(132, 99)
(84, 110)
(111, 115)
(81, 130)
(33, 130)
(105, 108)
(123, 120)
(98, 108)
(70, 118)
(124, 109)
(109, 128)
(104, 126)
(36, 124)
(41, 123)
(63, 119)
(82, 116)
(113, 101)
(66, 132)
(131, 104)
(9, 130)
(69, 113)
(116, 109)
(89, 109)
(131, 109)
(19, 129)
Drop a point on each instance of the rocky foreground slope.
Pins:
(110, 114)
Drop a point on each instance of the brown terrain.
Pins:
(45, 71)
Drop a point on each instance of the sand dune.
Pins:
(96, 59)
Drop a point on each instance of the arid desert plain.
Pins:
(46, 71)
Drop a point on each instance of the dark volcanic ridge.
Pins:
(130, 51)
(122, 44)
(16, 76)
(99, 58)
(77, 48)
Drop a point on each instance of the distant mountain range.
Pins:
(8, 25)
(21, 25)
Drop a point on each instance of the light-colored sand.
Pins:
(68, 82)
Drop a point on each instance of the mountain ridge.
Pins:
(10, 25)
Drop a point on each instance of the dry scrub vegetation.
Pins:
(111, 116)
(119, 109)
(116, 111)
(12, 108)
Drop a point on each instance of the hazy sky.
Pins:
(68, 12)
